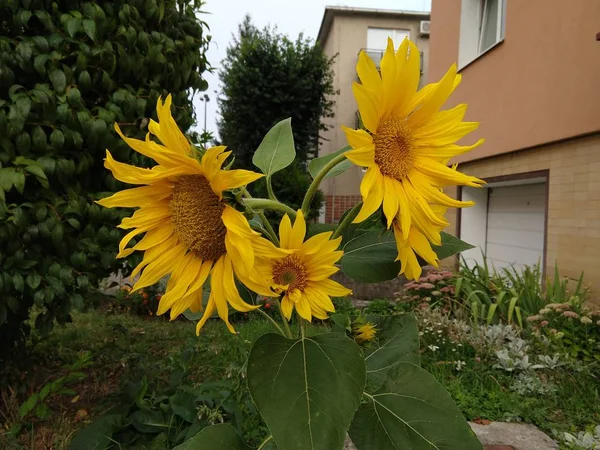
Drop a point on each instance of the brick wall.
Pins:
(573, 233)
(337, 205)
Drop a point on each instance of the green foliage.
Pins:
(215, 437)
(308, 389)
(266, 78)
(68, 71)
(383, 307)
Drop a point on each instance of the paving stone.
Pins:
(513, 436)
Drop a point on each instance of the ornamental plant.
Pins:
(205, 231)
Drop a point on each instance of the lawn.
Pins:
(130, 362)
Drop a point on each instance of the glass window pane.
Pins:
(489, 29)
(377, 38)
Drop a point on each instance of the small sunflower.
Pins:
(191, 231)
(303, 274)
(408, 140)
(364, 333)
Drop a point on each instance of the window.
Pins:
(377, 41)
(481, 27)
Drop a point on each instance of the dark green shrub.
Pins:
(68, 71)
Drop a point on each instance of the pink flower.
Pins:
(415, 297)
(544, 323)
(571, 314)
(534, 318)
(446, 273)
(427, 286)
(595, 314)
(435, 277)
(553, 330)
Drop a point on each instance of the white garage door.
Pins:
(516, 225)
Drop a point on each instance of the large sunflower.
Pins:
(407, 141)
(303, 274)
(191, 231)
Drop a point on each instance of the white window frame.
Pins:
(375, 52)
(472, 29)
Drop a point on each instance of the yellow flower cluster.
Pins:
(193, 233)
(405, 147)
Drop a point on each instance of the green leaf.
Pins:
(19, 181)
(39, 173)
(89, 26)
(411, 411)
(57, 138)
(33, 280)
(216, 437)
(315, 166)
(371, 257)
(28, 405)
(451, 245)
(397, 341)
(73, 25)
(148, 421)
(307, 390)
(184, 405)
(97, 435)
(39, 63)
(276, 151)
(58, 80)
(7, 176)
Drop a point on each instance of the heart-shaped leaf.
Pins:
(397, 341)
(307, 390)
(276, 151)
(411, 411)
(371, 257)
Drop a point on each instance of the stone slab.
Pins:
(516, 435)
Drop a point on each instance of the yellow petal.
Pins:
(287, 307)
(357, 138)
(408, 77)
(368, 74)
(389, 78)
(285, 231)
(235, 222)
(140, 196)
(368, 107)
(446, 152)
(303, 308)
(445, 175)
(298, 231)
(231, 179)
(371, 176)
(434, 101)
(168, 132)
(218, 289)
(404, 208)
(334, 288)
(208, 312)
(231, 291)
(159, 268)
(433, 194)
(372, 202)
(421, 246)
(390, 200)
(364, 156)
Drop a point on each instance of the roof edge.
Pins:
(332, 11)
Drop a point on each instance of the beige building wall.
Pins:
(346, 37)
(540, 85)
(573, 215)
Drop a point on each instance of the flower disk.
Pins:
(190, 230)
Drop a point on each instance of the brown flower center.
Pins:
(196, 213)
(394, 150)
(290, 271)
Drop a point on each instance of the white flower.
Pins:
(460, 365)
(433, 348)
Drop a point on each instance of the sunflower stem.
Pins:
(302, 324)
(265, 442)
(266, 203)
(314, 186)
(272, 321)
(347, 220)
(269, 228)
(288, 331)
(270, 189)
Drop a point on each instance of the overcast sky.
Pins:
(291, 17)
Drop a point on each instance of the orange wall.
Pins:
(542, 84)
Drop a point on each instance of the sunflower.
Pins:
(407, 141)
(190, 230)
(364, 332)
(302, 275)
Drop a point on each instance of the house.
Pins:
(531, 76)
(344, 33)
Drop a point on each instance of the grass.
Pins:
(123, 348)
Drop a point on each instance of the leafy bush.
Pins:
(143, 302)
(434, 289)
(384, 307)
(68, 71)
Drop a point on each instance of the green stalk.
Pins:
(265, 442)
(270, 190)
(314, 186)
(265, 203)
(288, 332)
(347, 220)
(272, 321)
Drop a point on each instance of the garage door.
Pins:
(516, 225)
